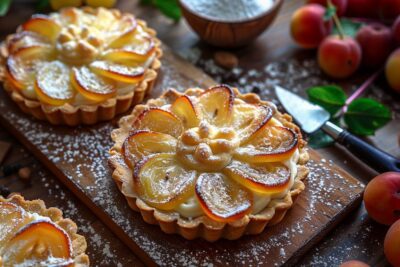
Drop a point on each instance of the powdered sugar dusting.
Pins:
(81, 154)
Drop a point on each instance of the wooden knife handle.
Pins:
(370, 155)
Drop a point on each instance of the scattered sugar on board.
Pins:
(86, 149)
(294, 74)
(100, 251)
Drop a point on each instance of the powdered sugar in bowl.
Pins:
(229, 23)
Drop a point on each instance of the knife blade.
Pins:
(311, 117)
(308, 116)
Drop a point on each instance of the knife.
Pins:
(312, 117)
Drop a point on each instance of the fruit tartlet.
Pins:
(32, 235)
(209, 163)
(80, 66)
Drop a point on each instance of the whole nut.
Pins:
(226, 60)
(24, 173)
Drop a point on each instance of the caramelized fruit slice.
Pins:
(268, 144)
(102, 19)
(184, 109)
(26, 39)
(43, 25)
(264, 178)
(162, 182)
(40, 243)
(126, 28)
(12, 217)
(248, 118)
(221, 199)
(117, 72)
(53, 84)
(70, 15)
(217, 104)
(141, 144)
(92, 86)
(19, 73)
(138, 49)
(34, 53)
(22, 65)
(159, 120)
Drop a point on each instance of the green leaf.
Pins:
(320, 139)
(42, 4)
(330, 97)
(364, 116)
(330, 11)
(170, 8)
(350, 27)
(4, 6)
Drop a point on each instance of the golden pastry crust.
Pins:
(88, 114)
(78, 242)
(203, 226)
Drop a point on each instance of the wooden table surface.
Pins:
(272, 55)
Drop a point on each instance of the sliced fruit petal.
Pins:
(268, 144)
(264, 178)
(217, 104)
(221, 199)
(248, 118)
(19, 73)
(117, 72)
(34, 53)
(70, 15)
(53, 85)
(141, 144)
(103, 20)
(125, 57)
(92, 86)
(12, 217)
(127, 27)
(184, 109)
(26, 39)
(159, 120)
(21, 67)
(162, 182)
(43, 25)
(38, 243)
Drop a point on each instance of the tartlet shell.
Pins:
(70, 115)
(203, 227)
(78, 242)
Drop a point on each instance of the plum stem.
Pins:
(336, 20)
(360, 90)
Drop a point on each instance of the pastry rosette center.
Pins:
(214, 147)
(206, 147)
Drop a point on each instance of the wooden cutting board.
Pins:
(78, 157)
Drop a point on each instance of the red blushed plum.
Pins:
(376, 44)
(392, 244)
(392, 70)
(308, 27)
(361, 8)
(339, 57)
(396, 31)
(388, 10)
(382, 198)
(340, 5)
(354, 263)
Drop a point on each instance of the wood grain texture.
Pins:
(78, 157)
